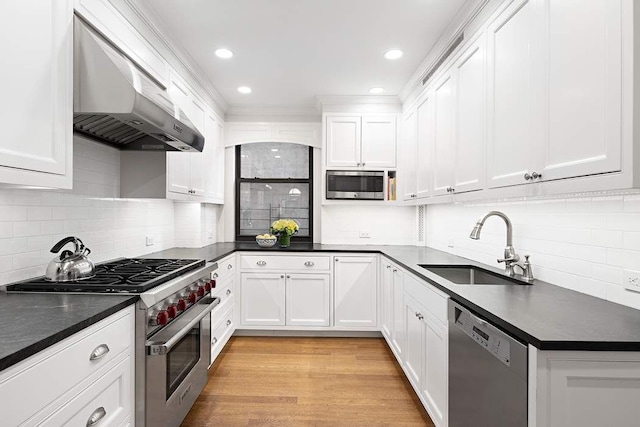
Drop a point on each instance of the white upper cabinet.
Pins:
(409, 148)
(37, 75)
(584, 72)
(514, 137)
(367, 141)
(424, 158)
(378, 142)
(344, 139)
(214, 156)
(468, 174)
(443, 133)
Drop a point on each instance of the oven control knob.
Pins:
(172, 311)
(182, 305)
(211, 284)
(163, 317)
(201, 291)
(193, 297)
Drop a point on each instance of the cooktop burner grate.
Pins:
(130, 275)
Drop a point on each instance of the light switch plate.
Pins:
(149, 240)
(365, 235)
(632, 280)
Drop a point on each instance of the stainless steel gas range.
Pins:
(173, 327)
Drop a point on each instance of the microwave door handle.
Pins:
(155, 348)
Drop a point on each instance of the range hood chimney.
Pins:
(118, 104)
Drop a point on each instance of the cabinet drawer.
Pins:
(285, 263)
(223, 291)
(55, 371)
(428, 296)
(226, 268)
(223, 327)
(108, 399)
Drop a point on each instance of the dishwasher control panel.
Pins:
(484, 335)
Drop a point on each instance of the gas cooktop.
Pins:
(126, 275)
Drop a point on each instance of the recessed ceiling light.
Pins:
(277, 157)
(224, 53)
(274, 149)
(376, 90)
(244, 89)
(393, 54)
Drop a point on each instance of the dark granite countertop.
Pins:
(546, 316)
(30, 323)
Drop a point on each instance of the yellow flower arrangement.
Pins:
(285, 226)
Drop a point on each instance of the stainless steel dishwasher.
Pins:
(487, 373)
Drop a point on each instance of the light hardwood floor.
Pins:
(273, 381)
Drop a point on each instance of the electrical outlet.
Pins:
(632, 280)
(364, 235)
(451, 243)
(209, 234)
(149, 240)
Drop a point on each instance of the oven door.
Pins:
(362, 185)
(177, 358)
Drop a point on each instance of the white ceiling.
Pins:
(289, 51)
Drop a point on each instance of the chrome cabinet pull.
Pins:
(309, 263)
(228, 322)
(395, 270)
(527, 177)
(282, 276)
(214, 340)
(96, 416)
(337, 260)
(99, 352)
(229, 267)
(288, 277)
(419, 316)
(228, 291)
(536, 175)
(261, 263)
(388, 266)
(215, 275)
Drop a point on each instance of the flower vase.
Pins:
(285, 240)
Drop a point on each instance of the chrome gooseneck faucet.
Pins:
(511, 258)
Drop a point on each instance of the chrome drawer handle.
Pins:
(229, 267)
(309, 263)
(215, 275)
(228, 322)
(96, 416)
(228, 291)
(99, 352)
(214, 340)
(419, 316)
(261, 263)
(395, 270)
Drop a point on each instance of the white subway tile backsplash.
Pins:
(581, 243)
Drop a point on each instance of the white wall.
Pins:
(196, 224)
(581, 243)
(386, 225)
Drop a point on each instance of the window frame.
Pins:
(239, 180)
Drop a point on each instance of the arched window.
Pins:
(273, 181)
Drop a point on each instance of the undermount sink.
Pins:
(470, 275)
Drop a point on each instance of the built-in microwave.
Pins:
(355, 185)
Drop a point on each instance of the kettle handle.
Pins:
(56, 248)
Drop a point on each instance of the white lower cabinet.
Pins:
(392, 318)
(307, 299)
(285, 299)
(583, 388)
(262, 299)
(71, 383)
(356, 284)
(414, 327)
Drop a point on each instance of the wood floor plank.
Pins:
(275, 381)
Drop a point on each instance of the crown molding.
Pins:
(147, 15)
(322, 100)
(256, 110)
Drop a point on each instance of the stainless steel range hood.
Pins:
(118, 104)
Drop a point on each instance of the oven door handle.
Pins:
(164, 341)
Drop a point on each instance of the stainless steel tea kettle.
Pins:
(69, 266)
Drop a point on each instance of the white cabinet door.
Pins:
(197, 161)
(36, 45)
(378, 142)
(414, 328)
(443, 134)
(308, 299)
(514, 122)
(585, 88)
(262, 297)
(407, 172)
(435, 388)
(355, 281)
(470, 119)
(426, 128)
(212, 186)
(386, 292)
(397, 331)
(178, 174)
(343, 141)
